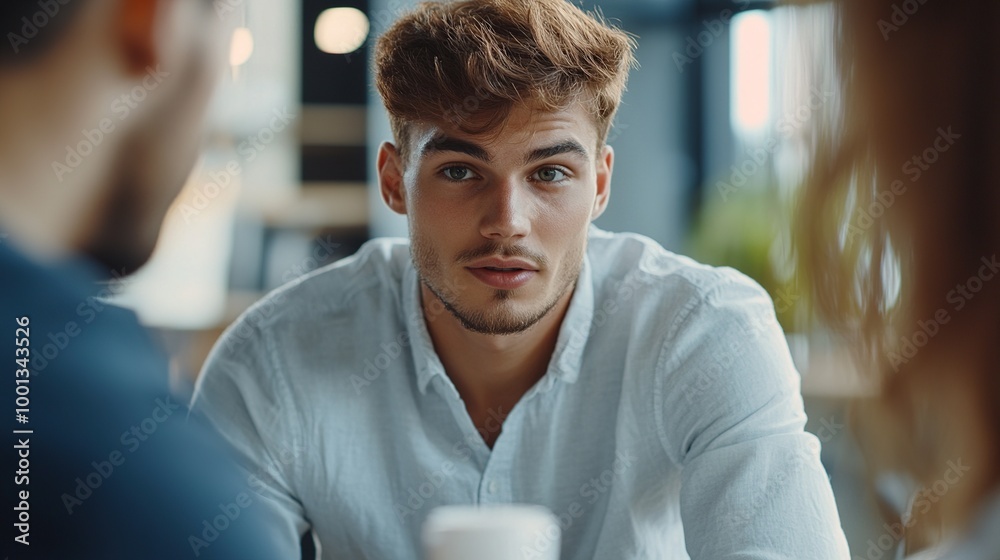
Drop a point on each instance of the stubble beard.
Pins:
(500, 319)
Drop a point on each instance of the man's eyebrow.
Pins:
(443, 143)
(564, 147)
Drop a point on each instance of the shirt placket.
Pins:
(495, 484)
(495, 475)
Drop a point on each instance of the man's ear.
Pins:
(605, 165)
(137, 33)
(390, 178)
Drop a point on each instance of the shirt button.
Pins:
(492, 487)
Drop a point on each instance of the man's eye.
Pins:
(458, 173)
(550, 175)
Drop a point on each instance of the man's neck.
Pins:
(33, 227)
(493, 372)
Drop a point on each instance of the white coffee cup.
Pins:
(495, 532)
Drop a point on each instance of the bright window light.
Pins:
(241, 47)
(750, 96)
(341, 30)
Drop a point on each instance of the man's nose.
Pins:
(507, 212)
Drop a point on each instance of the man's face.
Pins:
(498, 221)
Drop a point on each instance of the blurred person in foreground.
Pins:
(510, 351)
(101, 103)
(900, 234)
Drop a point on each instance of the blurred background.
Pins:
(710, 148)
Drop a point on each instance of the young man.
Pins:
(511, 352)
(101, 103)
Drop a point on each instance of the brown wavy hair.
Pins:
(468, 63)
(899, 230)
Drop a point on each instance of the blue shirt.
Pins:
(105, 465)
(669, 423)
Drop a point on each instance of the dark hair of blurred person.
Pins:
(900, 225)
(101, 103)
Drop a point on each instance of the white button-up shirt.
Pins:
(669, 423)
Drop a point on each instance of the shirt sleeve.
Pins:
(243, 394)
(730, 413)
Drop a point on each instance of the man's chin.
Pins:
(499, 315)
(121, 257)
(496, 326)
(123, 264)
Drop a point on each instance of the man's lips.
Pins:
(503, 273)
(503, 278)
(509, 265)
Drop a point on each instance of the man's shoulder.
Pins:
(663, 281)
(383, 259)
(104, 425)
(369, 281)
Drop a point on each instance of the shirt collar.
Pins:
(567, 358)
